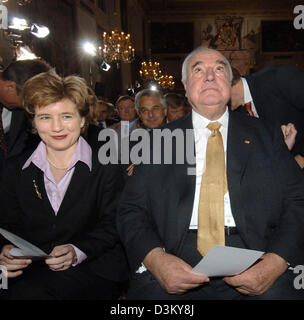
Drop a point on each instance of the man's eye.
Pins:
(220, 68)
(197, 70)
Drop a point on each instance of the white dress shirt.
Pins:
(201, 134)
(6, 119)
(248, 97)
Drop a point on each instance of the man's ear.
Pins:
(185, 86)
(10, 86)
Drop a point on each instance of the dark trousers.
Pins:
(145, 287)
(38, 282)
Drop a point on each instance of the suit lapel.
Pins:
(240, 144)
(75, 188)
(185, 178)
(258, 103)
(34, 184)
(18, 125)
(35, 180)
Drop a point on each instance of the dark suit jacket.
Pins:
(19, 138)
(265, 188)
(86, 217)
(278, 95)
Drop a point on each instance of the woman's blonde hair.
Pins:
(48, 87)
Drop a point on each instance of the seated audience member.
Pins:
(151, 107)
(97, 121)
(61, 199)
(274, 94)
(15, 130)
(126, 112)
(176, 106)
(101, 114)
(91, 129)
(245, 191)
(112, 113)
(128, 120)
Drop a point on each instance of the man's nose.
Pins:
(209, 76)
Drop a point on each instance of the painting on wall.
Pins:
(228, 33)
(172, 37)
(222, 34)
(281, 36)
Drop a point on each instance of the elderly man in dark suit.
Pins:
(257, 201)
(275, 95)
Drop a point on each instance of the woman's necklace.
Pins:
(59, 168)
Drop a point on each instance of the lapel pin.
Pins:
(247, 141)
(36, 189)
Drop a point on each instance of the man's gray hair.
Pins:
(198, 50)
(149, 93)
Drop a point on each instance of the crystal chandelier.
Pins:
(166, 82)
(23, 2)
(20, 2)
(150, 70)
(117, 47)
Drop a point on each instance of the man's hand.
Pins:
(260, 277)
(172, 273)
(289, 133)
(12, 264)
(62, 258)
(300, 160)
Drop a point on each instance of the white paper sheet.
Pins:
(26, 249)
(226, 261)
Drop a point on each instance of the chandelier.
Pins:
(23, 2)
(19, 2)
(150, 70)
(166, 82)
(117, 47)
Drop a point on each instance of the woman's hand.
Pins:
(62, 257)
(12, 264)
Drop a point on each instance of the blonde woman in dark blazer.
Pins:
(61, 199)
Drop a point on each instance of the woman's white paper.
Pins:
(26, 249)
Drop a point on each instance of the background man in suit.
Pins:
(126, 111)
(128, 116)
(14, 119)
(276, 94)
(151, 107)
(262, 209)
(176, 106)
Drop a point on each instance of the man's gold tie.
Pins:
(211, 226)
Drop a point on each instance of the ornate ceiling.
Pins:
(158, 9)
